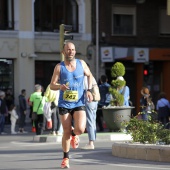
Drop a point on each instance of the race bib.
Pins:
(70, 95)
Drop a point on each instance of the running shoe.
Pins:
(88, 147)
(65, 163)
(74, 141)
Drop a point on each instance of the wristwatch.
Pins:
(90, 90)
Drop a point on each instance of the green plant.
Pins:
(149, 131)
(117, 70)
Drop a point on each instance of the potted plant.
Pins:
(117, 112)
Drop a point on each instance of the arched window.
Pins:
(49, 14)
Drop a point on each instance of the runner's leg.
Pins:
(79, 122)
(66, 123)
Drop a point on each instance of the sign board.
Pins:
(141, 55)
(107, 54)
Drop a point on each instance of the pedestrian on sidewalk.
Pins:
(3, 112)
(53, 96)
(104, 101)
(13, 118)
(9, 99)
(91, 109)
(70, 73)
(37, 100)
(22, 111)
(163, 109)
(146, 104)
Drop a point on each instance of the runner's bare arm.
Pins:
(55, 78)
(54, 85)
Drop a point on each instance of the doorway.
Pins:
(44, 71)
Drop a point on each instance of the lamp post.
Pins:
(97, 39)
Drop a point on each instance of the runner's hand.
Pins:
(64, 87)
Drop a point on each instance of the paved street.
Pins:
(19, 152)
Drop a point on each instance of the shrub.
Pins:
(149, 131)
(118, 69)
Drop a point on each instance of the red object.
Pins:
(104, 125)
(33, 129)
(49, 124)
(145, 72)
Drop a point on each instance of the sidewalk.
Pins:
(105, 136)
(46, 137)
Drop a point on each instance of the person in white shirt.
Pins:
(13, 118)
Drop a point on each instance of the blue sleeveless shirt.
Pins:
(74, 97)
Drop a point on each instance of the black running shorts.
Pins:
(63, 110)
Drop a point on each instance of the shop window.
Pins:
(123, 20)
(6, 15)
(6, 74)
(164, 23)
(49, 14)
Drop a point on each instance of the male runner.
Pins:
(70, 73)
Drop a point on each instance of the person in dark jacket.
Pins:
(104, 101)
(22, 110)
(3, 112)
(9, 99)
(163, 109)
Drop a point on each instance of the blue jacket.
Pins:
(104, 94)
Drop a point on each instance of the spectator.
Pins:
(105, 100)
(146, 104)
(163, 108)
(3, 112)
(13, 118)
(9, 98)
(91, 109)
(37, 100)
(22, 110)
(125, 92)
(53, 96)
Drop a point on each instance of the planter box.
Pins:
(114, 116)
(149, 152)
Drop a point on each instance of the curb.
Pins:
(149, 152)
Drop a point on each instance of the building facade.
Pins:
(29, 43)
(137, 33)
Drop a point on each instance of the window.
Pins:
(164, 23)
(124, 20)
(49, 14)
(6, 15)
(6, 74)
